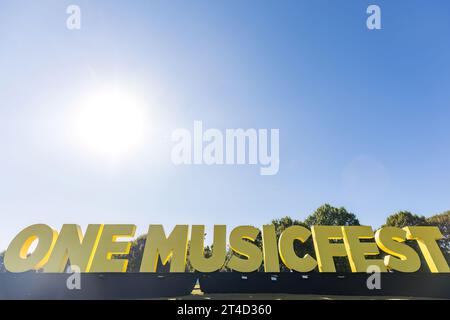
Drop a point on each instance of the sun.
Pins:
(110, 123)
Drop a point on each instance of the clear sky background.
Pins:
(363, 115)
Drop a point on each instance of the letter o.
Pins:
(16, 256)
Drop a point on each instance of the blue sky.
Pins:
(363, 115)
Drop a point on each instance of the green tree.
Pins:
(135, 255)
(207, 253)
(300, 249)
(284, 223)
(442, 221)
(405, 218)
(327, 215)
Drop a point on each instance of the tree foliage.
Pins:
(135, 255)
(405, 218)
(442, 221)
(2, 266)
(327, 215)
(299, 248)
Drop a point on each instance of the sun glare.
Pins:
(110, 123)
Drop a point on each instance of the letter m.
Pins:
(173, 248)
